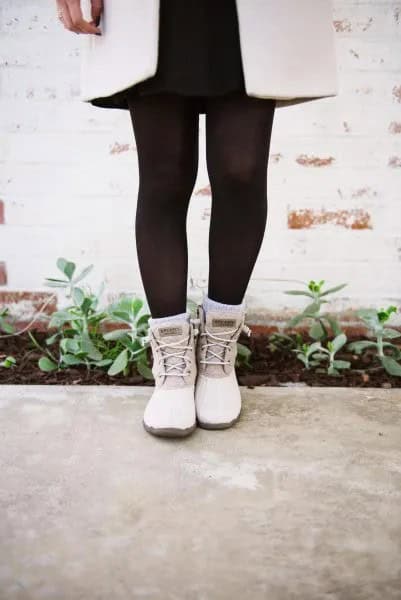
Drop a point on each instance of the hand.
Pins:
(70, 14)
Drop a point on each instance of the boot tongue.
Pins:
(169, 334)
(218, 321)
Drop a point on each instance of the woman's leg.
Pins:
(166, 130)
(238, 131)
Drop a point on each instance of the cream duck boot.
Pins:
(170, 411)
(217, 394)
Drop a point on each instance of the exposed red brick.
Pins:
(350, 219)
(25, 306)
(397, 92)
(394, 162)
(3, 273)
(2, 218)
(314, 161)
(206, 191)
(36, 299)
(117, 148)
(342, 25)
(395, 127)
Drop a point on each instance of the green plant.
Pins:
(334, 366)
(312, 355)
(78, 329)
(5, 326)
(132, 336)
(376, 321)
(282, 342)
(321, 322)
(305, 353)
(8, 362)
(243, 356)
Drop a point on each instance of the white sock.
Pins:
(178, 317)
(209, 304)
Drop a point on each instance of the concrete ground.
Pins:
(300, 500)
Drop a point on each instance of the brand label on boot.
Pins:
(164, 331)
(223, 322)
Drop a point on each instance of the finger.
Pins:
(66, 20)
(78, 20)
(96, 11)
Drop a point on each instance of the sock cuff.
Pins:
(210, 304)
(178, 317)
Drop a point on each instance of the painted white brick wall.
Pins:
(68, 171)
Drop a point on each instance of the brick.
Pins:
(350, 219)
(3, 273)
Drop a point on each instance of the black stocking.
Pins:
(238, 130)
(237, 150)
(166, 131)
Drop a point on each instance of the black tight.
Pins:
(238, 131)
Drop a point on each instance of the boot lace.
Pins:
(179, 367)
(216, 357)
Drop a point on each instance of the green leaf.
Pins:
(358, 347)
(83, 274)
(369, 315)
(6, 327)
(333, 372)
(314, 347)
(142, 322)
(117, 334)
(312, 309)
(339, 342)
(70, 360)
(295, 320)
(78, 296)
(136, 306)
(66, 267)
(144, 370)
(334, 324)
(316, 332)
(119, 364)
(89, 348)
(105, 362)
(391, 333)
(69, 346)
(341, 364)
(392, 366)
(320, 356)
(61, 317)
(303, 359)
(337, 288)
(8, 362)
(121, 315)
(53, 338)
(47, 365)
(56, 283)
(299, 293)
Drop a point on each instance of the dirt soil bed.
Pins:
(269, 367)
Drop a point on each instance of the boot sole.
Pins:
(170, 432)
(211, 426)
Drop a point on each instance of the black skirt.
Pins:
(199, 53)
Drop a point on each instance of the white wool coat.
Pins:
(288, 48)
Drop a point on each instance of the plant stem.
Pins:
(380, 345)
